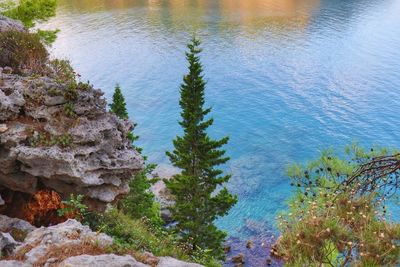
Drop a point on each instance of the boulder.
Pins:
(105, 260)
(7, 244)
(7, 24)
(70, 232)
(69, 243)
(15, 226)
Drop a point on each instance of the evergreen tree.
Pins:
(198, 202)
(118, 106)
(139, 202)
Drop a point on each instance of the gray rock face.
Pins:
(106, 260)
(7, 244)
(8, 224)
(67, 233)
(14, 264)
(39, 242)
(41, 144)
(7, 24)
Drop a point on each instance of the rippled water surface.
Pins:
(286, 79)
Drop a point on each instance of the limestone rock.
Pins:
(7, 244)
(7, 24)
(8, 224)
(106, 260)
(40, 242)
(172, 262)
(12, 263)
(86, 153)
(69, 232)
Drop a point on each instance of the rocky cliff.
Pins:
(43, 145)
(55, 133)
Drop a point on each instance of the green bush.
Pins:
(30, 11)
(22, 50)
(140, 235)
(139, 202)
(63, 71)
(73, 207)
(338, 216)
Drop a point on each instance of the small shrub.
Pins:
(42, 208)
(336, 231)
(84, 86)
(54, 92)
(69, 109)
(44, 139)
(132, 235)
(63, 71)
(71, 92)
(73, 207)
(22, 50)
(139, 202)
(30, 11)
(338, 216)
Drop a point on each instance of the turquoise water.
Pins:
(286, 79)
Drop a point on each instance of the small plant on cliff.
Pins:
(74, 208)
(199, 192)
(69, 109)
(118, 107)
(63, 71)
(22, 50)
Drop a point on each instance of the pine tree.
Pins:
(139, 202)
(118, 106)
(198, 202)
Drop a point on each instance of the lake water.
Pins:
(286, 79)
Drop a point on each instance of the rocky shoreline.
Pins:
(62, 245)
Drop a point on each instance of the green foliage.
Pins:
(74, 208)
(139, 203)
(329, 172)
(30, 11)
(331, 222)
(22, 50)
(71, 92)
(198, 203)
(141, 235)
(69, 109)
(43, 139)
(84, 86)
(48, 36)
(63, 71)
(336, 231)
(118, 106)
